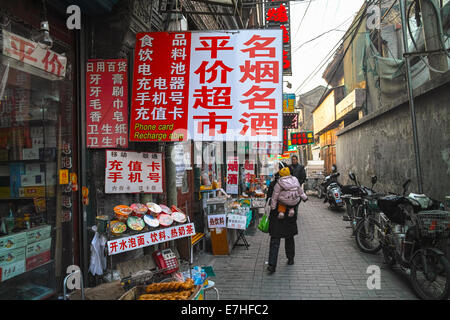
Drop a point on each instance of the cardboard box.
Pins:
(14, 241)
(37, 260)
(4, 155)
(12, 270)
(30, 153)
(31, 192)
(32, 180)
(34, 168)
(5, 192)
(36, 132)
(12, 256)
(38, 234)
(38, 247)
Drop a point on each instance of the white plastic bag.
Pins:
(98, 258)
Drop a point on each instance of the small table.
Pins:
(241, 236)
(211, 285)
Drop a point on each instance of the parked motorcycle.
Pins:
(330, 189)
(409, 230)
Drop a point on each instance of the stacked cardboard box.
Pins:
(24, 251)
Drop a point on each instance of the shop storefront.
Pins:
(232, 192)
(38, 148)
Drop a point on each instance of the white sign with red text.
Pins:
(34, 54)
(232, 175)
(150, 238)
(133, 172)
(235, 86)
(236, 221)
(217, 221)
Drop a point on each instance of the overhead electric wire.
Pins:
(353, 33)
(352, 29)
(325, 60)
(334, 29)
(301, 21)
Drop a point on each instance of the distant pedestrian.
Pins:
(285, 226)
(298, 170)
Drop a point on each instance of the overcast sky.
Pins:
(322, 16)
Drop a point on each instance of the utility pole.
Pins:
(402, 4)
(432, 37)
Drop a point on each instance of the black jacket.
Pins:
(299, 172)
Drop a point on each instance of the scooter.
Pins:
(331, 190)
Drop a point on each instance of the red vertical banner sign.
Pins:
(278, 16)
(107, 103)
(160, 87)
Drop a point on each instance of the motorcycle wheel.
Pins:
(438, 271)
(365, 236)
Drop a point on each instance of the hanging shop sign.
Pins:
(107, 103)
(236, 221)
(302, 138)
(249, 170)
(232, 175)
(159, 104)
(290, 120)
(133, 172)
(219, 86)
(150, 238)
(285, 140)
(288, 102)
(34, 54)
(217, 221)
(278, 17)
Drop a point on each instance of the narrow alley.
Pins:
(328, 265)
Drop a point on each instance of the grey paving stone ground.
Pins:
(328, 265)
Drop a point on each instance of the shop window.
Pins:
(35, 136)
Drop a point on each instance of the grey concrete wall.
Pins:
(382, 143)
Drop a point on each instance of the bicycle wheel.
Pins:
(319, 193)
(357, 215)
(365, 235)
(435, 284)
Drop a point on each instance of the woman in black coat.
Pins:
(280, 228)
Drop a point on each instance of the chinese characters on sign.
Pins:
(237, 221)
(302, 138)
(133, 172)
(219, 86)
(150, 238)
(232, 175)
(217, 221)
(278, 17)
(31, 53)
(288, 102)
(290, 120)
(107, 104)
(235, 87)
(160, 87)
(249, 170)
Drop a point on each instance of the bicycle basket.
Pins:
(434, 223)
